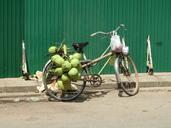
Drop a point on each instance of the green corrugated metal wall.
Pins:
(11, 27)
(49, 21)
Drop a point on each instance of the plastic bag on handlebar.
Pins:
(125, 49)
(116, 44)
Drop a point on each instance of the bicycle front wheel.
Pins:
(127, 75)
(49, 81)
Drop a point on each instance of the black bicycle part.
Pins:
(95, 80)
(79, 46)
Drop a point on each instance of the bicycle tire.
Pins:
(61, 95)
(127, 75)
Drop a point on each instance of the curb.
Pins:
(10, 85)
(41, 97)
(11, 89)
(109, 85)
(22, 97)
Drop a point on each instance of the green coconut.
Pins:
(77, 55)
(75, 63)
(66, 66)
(59, 61)
(59, 84)
(54, 57)
(73, 73)
(77, 77)
(52, 49)
(63, 86)
(58, 71)
(65, 79)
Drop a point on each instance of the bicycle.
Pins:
(125, 70)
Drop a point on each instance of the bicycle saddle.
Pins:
(79, 46)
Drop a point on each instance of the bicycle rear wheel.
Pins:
(49, 80)
(127, 75)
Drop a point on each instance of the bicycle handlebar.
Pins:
(99, 32)
(108, 33)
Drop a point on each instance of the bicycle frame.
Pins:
(98, 59)
(85, 58)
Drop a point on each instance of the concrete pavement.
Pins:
(145, 110)
(22, 90)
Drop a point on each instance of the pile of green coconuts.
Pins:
(67, 67)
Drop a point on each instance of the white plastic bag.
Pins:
(116, 44)
(125, 50)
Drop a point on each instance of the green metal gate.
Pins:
(49, 21)
(11, 34)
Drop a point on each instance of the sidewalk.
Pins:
(21, 85)
(18, 87)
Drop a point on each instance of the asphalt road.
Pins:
(97, 110)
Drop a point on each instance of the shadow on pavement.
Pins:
(85, 96)
(88, 95)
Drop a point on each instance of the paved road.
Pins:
(97, 110)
